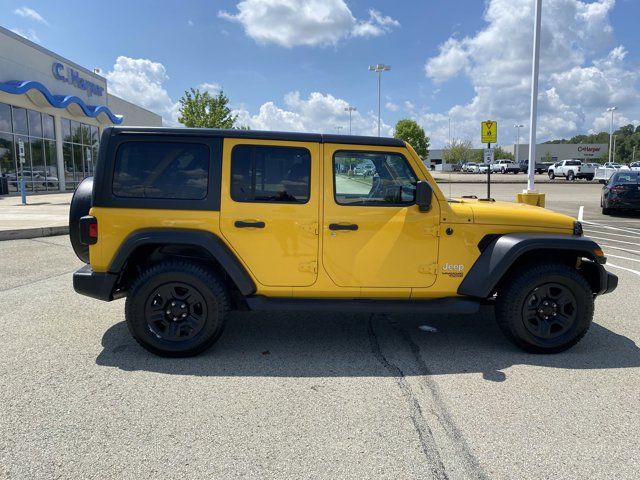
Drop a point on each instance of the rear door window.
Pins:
(162, 170)
(266, 174)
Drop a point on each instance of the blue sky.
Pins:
(294, 64)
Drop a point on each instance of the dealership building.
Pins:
(52, 112)
(545, 152)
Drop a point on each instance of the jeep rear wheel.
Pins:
(176, 309)
(545, 308)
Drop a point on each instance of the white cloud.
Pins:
(31, 14)
(582, 71)
(29, 34)
(391, 106)
(317, 113)
(140, 81)
(212, 87)
(190, 23)
(290, 23)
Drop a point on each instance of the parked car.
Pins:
(634, 166)
(540, 167)
(605, 172)
(192, 237)
(622, 192)
(483, 168)
(470, 167)
(571, 169)
(505, 166)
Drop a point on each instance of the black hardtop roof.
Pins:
(262, 135)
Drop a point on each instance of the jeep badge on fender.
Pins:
(188, 224)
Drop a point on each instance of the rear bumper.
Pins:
(94, 284)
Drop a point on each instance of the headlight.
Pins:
(577, 229)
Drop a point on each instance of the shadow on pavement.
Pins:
(321, 345)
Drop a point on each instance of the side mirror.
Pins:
(424, 193)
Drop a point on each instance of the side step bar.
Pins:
(460, 306)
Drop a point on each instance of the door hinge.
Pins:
(312, 228)
(309, 267)
(433, 231)
(429, 269)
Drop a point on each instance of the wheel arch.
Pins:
(505, 254)
(147, 246)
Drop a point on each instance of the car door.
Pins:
(373, 233)
(269, 208)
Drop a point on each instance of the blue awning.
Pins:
(16, 87)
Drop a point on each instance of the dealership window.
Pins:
(80, 151)
(35, 131)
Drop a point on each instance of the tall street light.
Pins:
(350, 109)
(518, 126)
(338, 128)
(379, 68)
(611, 109)
(533, 119)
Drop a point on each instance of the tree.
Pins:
(459, 151)
(500, 153)
(201, 109)
(412, 133)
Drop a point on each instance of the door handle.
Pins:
(343, 226)
(245, 224)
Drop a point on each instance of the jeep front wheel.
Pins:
(545, 308)
(176, 309)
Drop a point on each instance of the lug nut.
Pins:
(182, 306)
(173, 304)
(184, 315)
(168, 312)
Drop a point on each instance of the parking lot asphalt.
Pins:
(316, 395)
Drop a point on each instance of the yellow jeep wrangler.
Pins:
(189, 224)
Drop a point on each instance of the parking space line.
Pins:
(611, 233)
(620, 248)
(581, 213)
(624, 258)
(624, 268)
(600, 225)
(614, 240)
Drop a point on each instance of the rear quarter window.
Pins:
(161, 170)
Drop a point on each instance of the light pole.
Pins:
(614, 148)
(611, 109)
(534, 98)
(338, 128)
(350, 109)
(379, 68)
(518, 126)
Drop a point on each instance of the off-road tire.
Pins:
(212, 304)
(552, 175)
(522, 285)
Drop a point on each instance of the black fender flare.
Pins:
(174, 236)
(501, 253)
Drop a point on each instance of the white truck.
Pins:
(603, 173)
(571, 169)
(505, 166)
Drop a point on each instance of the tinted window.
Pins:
(20, 121)
(627, 177)
(270, 174)
(35, 123)
(161, 170)
(48, 129)
(367, 178)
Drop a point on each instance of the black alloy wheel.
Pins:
(175, 311)
(177, 308)
(549, 310)
(544, 308)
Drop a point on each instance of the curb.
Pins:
(26, 233)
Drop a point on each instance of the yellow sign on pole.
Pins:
(489, 131)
